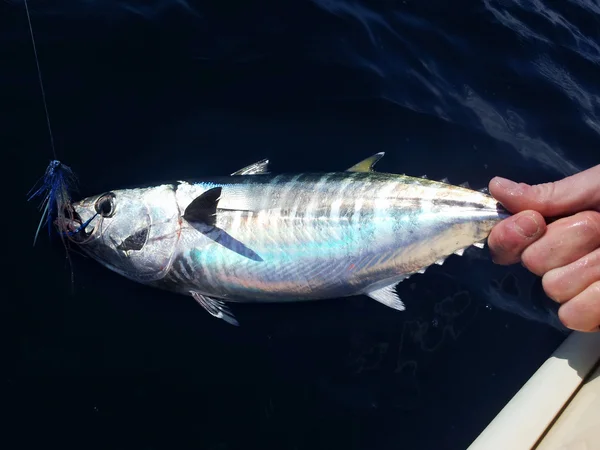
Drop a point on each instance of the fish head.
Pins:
(133, 232)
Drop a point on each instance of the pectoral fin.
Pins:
(231, 243)
(215, 308)
(201, 214)
(387, 295)
(203, 208)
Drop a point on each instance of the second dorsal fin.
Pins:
(366, 165)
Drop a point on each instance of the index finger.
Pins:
(570, 195)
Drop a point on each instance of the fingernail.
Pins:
(506, 184)
(527, 226)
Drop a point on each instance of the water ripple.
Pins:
(565, 32)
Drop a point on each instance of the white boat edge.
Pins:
(557, 408)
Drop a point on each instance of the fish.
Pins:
(258, 237)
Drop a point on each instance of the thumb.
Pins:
(570, 195)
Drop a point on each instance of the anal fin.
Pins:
(216, 308)
(387, 295)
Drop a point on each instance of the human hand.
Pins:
(565, 252)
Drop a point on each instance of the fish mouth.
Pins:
(70, 224)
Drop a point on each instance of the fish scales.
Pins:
(319, 244)
(260, 237)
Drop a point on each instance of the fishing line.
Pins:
(39, 72)
(58, 180)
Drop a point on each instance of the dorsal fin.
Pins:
(204, 207)
(366, 165)
(254, 169)
(465, 185)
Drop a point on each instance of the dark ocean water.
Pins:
(147, 91)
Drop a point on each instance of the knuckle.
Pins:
(502, 247)
(588, 223)
(496, 238)
(580, 313)
(531, 261)
(595, 291)
(552, 288)
(545, 193)
(565, 319)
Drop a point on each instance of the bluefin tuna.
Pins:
(255, 236)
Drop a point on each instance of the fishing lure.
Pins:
(54, 188)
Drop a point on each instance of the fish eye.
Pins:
(105, 205)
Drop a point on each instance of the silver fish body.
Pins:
(256, 237)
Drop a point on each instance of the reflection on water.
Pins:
(565, 33)
(564, 81)
(511, 129)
